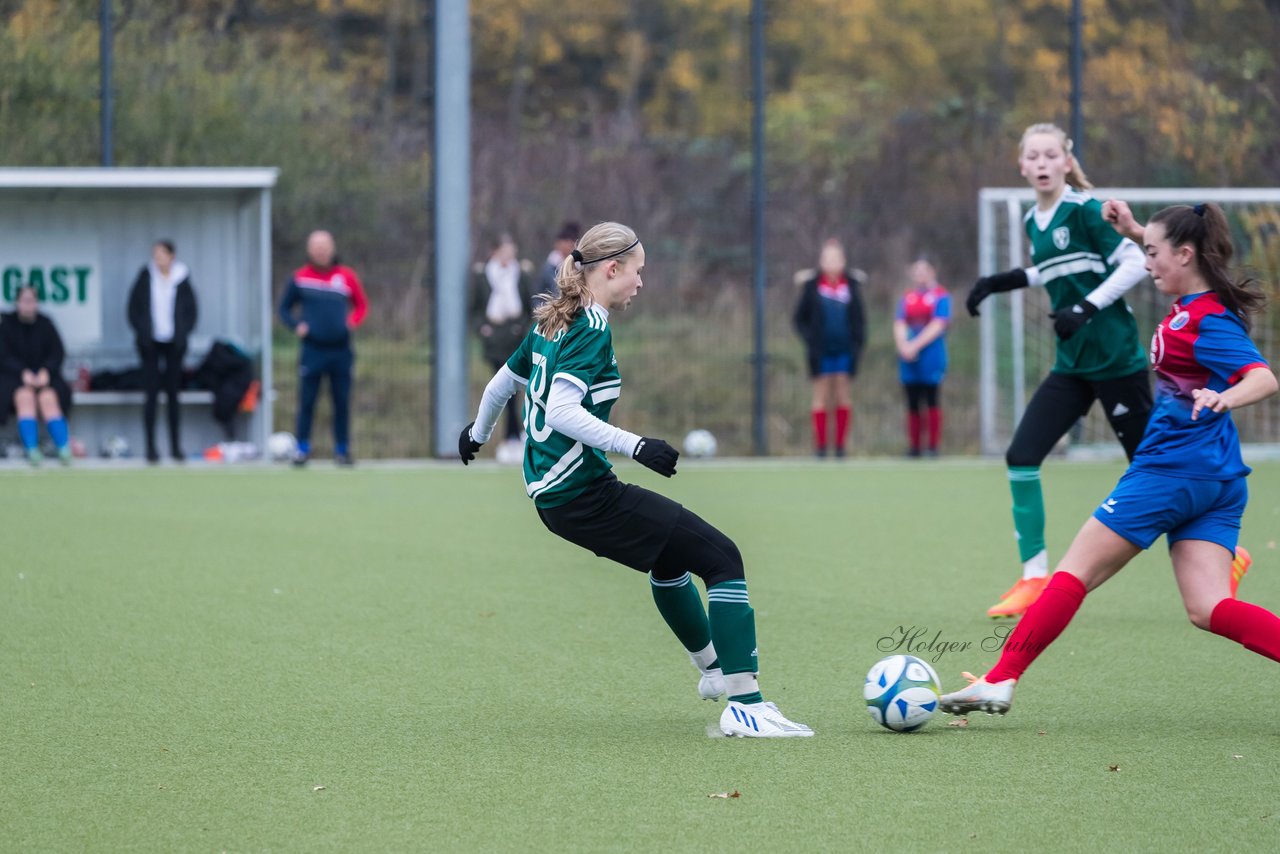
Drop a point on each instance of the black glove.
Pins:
(1068, 321)
(467, 446)
(997, 284)
(657, 455)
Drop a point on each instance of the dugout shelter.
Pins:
(80, 235)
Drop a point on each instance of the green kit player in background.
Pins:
(568, 368)
(1087, 268)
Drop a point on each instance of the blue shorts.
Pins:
(1145, 505)
(839, 364)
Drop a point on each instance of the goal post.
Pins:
(1016, 335)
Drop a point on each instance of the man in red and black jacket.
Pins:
(333, 303)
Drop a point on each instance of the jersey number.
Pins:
(535, 401)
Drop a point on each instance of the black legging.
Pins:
(699, 547)
(918, 395)
(170, 379)
(1062, 400)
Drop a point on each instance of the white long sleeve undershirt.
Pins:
(500, 389)
(565, 413)
(1130, 268)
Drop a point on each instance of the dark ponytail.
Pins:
(1205, 228)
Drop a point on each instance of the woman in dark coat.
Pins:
(501, 308)
(162, 312)
(31, 379)
(830, 320)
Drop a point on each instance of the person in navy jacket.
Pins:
(332, 303)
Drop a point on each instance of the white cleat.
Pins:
(711, 685)
(979, 696)
(759, 720)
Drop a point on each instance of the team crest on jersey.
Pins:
(1061, 237)
(1180, 320)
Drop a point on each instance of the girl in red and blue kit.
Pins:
(919, 332)
(830, 320)
(1187, 478)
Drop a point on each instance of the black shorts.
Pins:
(620, 521)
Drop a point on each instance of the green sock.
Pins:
(680, 605)
(1028, 510)
(733, 631)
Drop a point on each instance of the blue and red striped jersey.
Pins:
(1199, 344)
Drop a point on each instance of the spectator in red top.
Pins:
(332, 304)
(830, 320)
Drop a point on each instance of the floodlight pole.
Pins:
(1077, 75)
(451, 217)
(758, 424)
(105, 105)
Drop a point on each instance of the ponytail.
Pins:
(1075, 175)
(556, 313)
(603, 242)
(1205, 228)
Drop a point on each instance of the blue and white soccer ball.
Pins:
(902, 693)
(700, 443)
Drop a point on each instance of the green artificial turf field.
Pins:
(394, 660)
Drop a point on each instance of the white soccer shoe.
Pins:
(979, 696)
(711, 685)
(759, 720)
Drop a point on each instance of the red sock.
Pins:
(820, 429)
(1254, 628)
(914, 429)
(844, 415)
(1039, 627)
(935, 427)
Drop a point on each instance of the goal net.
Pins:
(1017, 338)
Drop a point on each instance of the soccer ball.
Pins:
(510, 452)
(902, 693)
(700, 443)
(281, 446)
(115, 448)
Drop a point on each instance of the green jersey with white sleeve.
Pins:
(1074, 251)
(557, 468)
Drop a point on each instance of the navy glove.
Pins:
(657, 455)
(1069, 321)
(467, 446)
(997, 284)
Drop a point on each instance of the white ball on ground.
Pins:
(700, 443)
(281, 446)
(115, 448)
